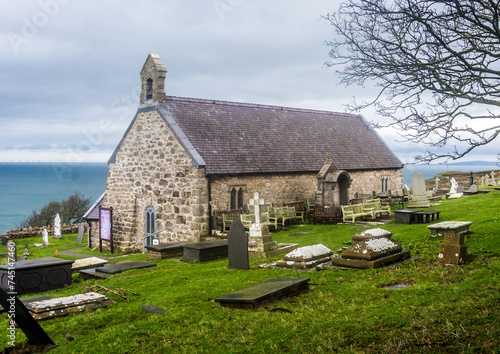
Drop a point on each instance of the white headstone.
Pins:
(57, 226)
(257, 202)
(492, 179)
(45, 237)
(454, 186)
(419, 198)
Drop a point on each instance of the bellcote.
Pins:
(153, 76)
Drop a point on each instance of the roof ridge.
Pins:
(255, 105)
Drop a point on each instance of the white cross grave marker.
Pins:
(257, 202)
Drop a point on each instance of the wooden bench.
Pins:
(227, 217)
(351, 212)
(378, 208)
(333, 213)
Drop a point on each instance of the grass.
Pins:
(447, 309)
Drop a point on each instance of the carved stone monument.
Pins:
(45, 237)
(419, 198)
(57, 226)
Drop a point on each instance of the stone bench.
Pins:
(449, 227)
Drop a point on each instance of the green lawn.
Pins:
(450, 309)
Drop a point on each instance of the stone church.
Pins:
(181, 159)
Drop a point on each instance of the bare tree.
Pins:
(436, 66)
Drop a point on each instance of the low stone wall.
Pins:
(37, 231)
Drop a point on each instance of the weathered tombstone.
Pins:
(460, 189)
(81, 230)
(419, 198)
(453, 250)
(492, 179)
(260, 241)
(473, 189)
(436, 187)
(454, 186)
(57, 226)
(22, 317)
(4, 240)
(237, 241)
(45, 237)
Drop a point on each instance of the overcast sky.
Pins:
(69, 69)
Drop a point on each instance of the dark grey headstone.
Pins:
(237, 241)
(35, 334)
(4, 240)
(81, 230)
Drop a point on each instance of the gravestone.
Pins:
(419, 198)
(306, 257)
(454, 186)
(45, 237)
(57, 227)
(472, 190)
(452, 250)
(460, 189)
(237, 241)
(81, 230)
(4, 240)
(260, 241)
(492, 179)
(22, 317)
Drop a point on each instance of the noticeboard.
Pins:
(106, 227)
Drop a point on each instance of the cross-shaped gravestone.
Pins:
(257, 202)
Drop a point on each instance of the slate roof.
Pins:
(93, 212)
(233, 138)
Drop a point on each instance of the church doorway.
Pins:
(343, 183)
(150, 226)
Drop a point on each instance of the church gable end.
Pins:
(151, 169)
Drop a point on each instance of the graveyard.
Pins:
(416, 305)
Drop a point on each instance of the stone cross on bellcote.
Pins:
(257, 202)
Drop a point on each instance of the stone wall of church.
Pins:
(367, 182)
(152, 169)
(276, 189)
(282, 188)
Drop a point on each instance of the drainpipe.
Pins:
(210, 179)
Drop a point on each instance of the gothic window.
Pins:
(149, 89)
(236, 199)
(385, 184)
(150, 225)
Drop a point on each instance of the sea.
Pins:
(25, 187)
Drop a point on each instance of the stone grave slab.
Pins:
(91, 273)
(27, 300)
(268, 291)
(237, 243)
(371, 234)
(205, 251)
(119, 267)
(372, 249)
(166, 250)
(63, 306)
(38, 275)
(35, 334)
(367, 264)
(86, 263)
(306, 257)
(453, 227)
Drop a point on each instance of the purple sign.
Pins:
(105, 224)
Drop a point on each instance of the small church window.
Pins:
(236, 201)
(385, 184)
(149, 89)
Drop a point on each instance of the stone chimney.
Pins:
(153, 76)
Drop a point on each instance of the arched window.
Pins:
(150, 226)
(240, 198)
(232, 204)
(149, 89)
(385, 184)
